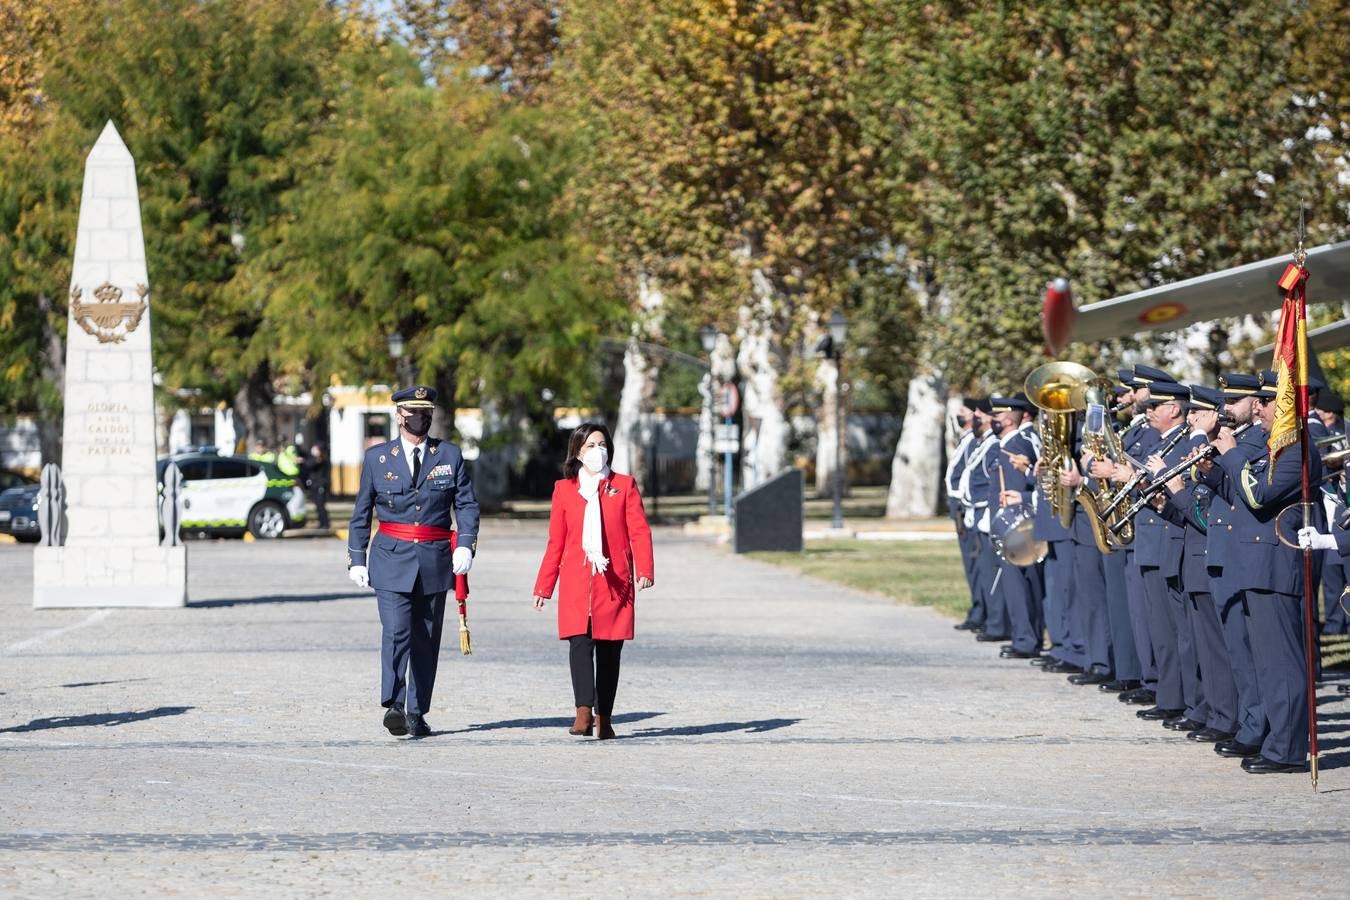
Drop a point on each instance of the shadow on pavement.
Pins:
(107, 719)
(80, 684)
(757, 727)
(274, 598)
(550, 722)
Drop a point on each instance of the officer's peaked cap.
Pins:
(416, 397)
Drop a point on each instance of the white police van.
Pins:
(231, 495)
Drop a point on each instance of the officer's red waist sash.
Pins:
(404, 532)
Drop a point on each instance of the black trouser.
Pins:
(595, 671)
(319, 496)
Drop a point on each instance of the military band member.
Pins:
(1011, 484)
(1057, 572)
(976, 490)
(965, 537)
(1211, 708)
(1330, 410)
(1271, 576)
(1117, 569)
(416, 485)
(1158, 550)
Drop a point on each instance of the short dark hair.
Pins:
(572, 463)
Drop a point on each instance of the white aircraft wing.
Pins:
(1320, 340)
(1232, 292)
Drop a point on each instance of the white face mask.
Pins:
(595, 459)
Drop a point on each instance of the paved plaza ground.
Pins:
(780, 737)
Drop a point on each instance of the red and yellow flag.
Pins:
(1290, 364)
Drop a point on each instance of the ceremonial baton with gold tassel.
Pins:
(462, 598)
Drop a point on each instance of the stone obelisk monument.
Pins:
(112, 554)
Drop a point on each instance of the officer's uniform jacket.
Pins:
(1158, 541)
(1189, 508)
(443, 490)
(955, 467)
(1252, 556)
(975, 483)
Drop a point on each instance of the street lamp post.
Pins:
(831, 346)
(707, 335)
(396, 353)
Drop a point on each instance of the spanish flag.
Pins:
(1290, 364)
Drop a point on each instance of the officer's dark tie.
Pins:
(417, 463)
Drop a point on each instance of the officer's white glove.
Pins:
(359, 576)
(462, 561)
(1311, 539)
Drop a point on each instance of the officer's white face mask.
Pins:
(595, 460)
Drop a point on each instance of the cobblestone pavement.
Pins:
(780, 737)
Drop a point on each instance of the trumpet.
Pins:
(1328, 439)
(1160, 480)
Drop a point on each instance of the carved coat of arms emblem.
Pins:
(108, 318)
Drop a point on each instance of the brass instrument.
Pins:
(1110, 530)
(1059, 391)
(1062, 390)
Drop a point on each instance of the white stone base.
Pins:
(109, 576)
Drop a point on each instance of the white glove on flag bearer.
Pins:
(462, 561)
(359, 576)
(1311, 539)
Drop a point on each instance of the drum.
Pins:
(1010, 530)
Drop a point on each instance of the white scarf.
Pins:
(592, 540)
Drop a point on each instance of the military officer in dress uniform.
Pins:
(1271, 576)
(415, 484)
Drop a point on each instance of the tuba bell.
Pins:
(1059, 391)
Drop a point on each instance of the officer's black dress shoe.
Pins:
(1181, 723)
(1044, 659)
(1158, 714)
(1209, 736)
(1118, 686)
(1062, 668)
(1090, 678)
(1012, 653)
(417, 726)
(985, 637)
(1139, 697)
(395, 721)
(1343, 688)
(965, 626)
(1232, 748)
(1259, 765)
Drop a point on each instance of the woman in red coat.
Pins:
(600, 548)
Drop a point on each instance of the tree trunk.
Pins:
(443, 416)
(254, 410)
(916, 469)
(762, 360)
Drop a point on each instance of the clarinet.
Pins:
(1141, 474)
(1209, 451)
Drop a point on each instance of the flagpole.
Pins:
(1309, 585)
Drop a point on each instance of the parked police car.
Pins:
(18, 508)
(229, 495)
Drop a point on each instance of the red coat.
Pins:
(627, 545)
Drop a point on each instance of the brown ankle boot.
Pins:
(583, 723)
(602, 727)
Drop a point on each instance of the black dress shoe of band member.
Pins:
(1209, 736)
(1044, 659)
(1062, 668)
(1259, 765)
(395, 721)
(417, 726)
(1182, 723)
(1343, 688)
(1119, 686)
(1014, 653)
(1234, 749)
(1090, 678)
(1139, 697)
(1158, 714)
(985, 637)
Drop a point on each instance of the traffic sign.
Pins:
(728, 400)
(726, 438)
